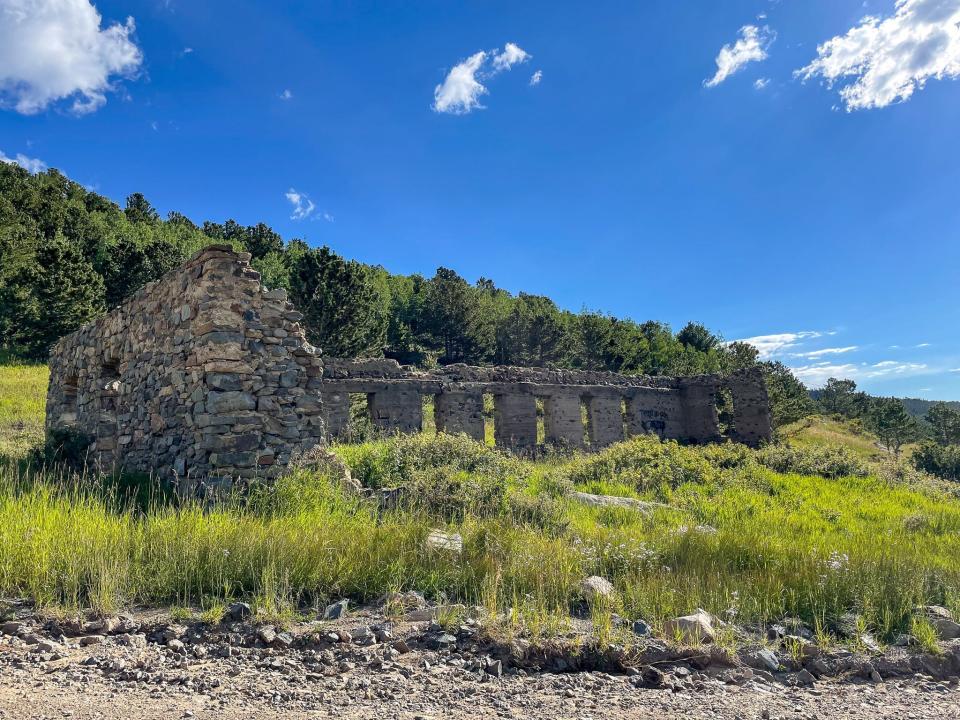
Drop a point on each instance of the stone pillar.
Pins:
(336, 412)
(562, 420)
(515, 420)
(397, 409)
(459, 412)
(752, 423)
(655, 411)
(701, 423)
(605, 420)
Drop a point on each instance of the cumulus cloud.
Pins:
(32, 165)
(751, 46)
(53, 50)
(536, 77)
(885, 60)
(461, 90)
(302, 205)
(511, 55)
(770, 345)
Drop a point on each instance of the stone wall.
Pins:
(579, 409)
(206, 374)
(200, 374)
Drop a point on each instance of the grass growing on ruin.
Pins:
(737, 539)
(23, 392)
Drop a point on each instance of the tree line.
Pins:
(68, 254)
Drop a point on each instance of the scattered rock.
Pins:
(441, 541)
(596, 588)
(267, 634)
(91, 640)
(691, 629)
(239, 611)
(336, 610)
(764, 659)
(640, 628)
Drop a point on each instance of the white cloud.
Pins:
(286, 95)
(327, 216)
(771, 345)
(511, 55)
(956, 370)
(31, 165)
(817, 374)
(303, 206)
(886, 60)
(923, 345)
(536, 77)
(750, 47)
(53, 50)
(761, 83)
(826, 351)
(461, 90)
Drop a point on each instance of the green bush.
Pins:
(828, 462)
(940, 460)
(645, 463)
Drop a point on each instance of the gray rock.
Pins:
(336, 610)
(764, 659)
(13, 628)
(91, 640)
(946, 628)
(440, 541)
(267, 634)
(640, 628)
(690, 629)
(596, 588)
(239, 611)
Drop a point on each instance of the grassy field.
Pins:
(23, 393)
(736, 538)
(820, 431)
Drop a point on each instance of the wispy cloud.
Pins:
(52, 50)
(817, 374)
(769, 346)
(536, 77)
(303, 206)
(461, 90)
(750, 47)
(761, 83)
(286, 95)
(31, 165)
(885, 60)
(813, 354)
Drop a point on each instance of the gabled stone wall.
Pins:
(202, 373)
(205, 374)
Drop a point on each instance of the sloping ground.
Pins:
(821, 431)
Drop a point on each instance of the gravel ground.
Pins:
(364, 666)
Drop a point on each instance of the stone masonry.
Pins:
(206, 374)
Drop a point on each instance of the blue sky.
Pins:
(671, 161)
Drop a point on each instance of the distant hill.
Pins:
(915, 406)
(918, 408)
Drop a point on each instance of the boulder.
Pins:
(691, 629)
(440, 541)
(764, 659)
(336, 610)
(596, 588)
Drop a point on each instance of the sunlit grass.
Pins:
(23, 391)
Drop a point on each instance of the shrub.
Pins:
(395, 461)
(828, 462)
(645, 463)
(940, 460)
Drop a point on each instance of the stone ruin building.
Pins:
(206, 374)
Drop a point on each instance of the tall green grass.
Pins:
(23, 391)
(736, 538)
